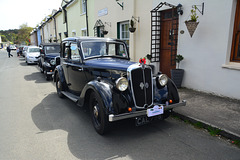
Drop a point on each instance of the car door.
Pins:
(76, 74)
(66, 59)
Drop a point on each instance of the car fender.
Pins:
(172, 91)
(103, 88)
(60, 72)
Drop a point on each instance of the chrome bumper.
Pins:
(113, 117)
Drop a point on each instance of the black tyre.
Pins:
(98, 116)
(59, 86)
(48, 77)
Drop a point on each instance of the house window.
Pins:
(84, 31)
(83, 6)
(235, 53)
(123, 31)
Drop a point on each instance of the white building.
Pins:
(212, 55)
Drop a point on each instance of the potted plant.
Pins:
(192, 23)
(105, 32)
(177, 74)
(132, 28)
(149, 57)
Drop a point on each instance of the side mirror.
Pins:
(57, 60)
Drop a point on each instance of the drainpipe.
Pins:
(55, 28)
(87, 18)
(132, 46)
(65, 13)
(43, 34)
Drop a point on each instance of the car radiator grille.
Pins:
(142, 88)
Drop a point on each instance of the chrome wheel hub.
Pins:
(59, 84)
(95, 111)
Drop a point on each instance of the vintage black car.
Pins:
(98, 73)
(47, 59)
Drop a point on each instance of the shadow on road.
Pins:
(38, 77)
(123, 140)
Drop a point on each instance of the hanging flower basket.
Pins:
(132, 30)
(191, 26)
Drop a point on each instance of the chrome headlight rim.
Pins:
(122, 84)
(162, 79)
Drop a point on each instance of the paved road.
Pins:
(37, 125)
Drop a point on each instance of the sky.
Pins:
(14, 13)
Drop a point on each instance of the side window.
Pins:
(66, 51)
(111, 50)
(75, 56)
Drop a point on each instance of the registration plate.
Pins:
(156, 110)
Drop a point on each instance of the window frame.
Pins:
(121, 32)
(83, 7)
(236, 36)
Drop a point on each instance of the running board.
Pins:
(71, 96)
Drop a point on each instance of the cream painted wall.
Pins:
(207, 53)
(77, 20)
(139, 45)
(60, 26)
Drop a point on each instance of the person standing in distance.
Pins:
(9, 52)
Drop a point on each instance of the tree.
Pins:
(24, 34)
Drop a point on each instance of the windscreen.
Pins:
(96, 49)
(34, 50)
(52, 49)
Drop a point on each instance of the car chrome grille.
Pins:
(142, 88)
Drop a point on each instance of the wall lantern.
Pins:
(121, 5)
(179, 9)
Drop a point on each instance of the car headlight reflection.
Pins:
(52, 62)
(48, 65)
(122, 84)
(163, 79)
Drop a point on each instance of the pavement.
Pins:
(211, 110)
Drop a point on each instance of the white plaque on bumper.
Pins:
(156, 110)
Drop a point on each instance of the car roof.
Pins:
(33, 47)
(49, 44)
(81, 39)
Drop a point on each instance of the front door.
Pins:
(169, 36)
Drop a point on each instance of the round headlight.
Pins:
(52, 62)
(122, 84)
(163, 79)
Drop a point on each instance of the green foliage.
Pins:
(194, 16)
(213, 131)
(149, 57)
(17, 36)
(132, 23)
(178, 59)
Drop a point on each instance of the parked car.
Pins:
(98, 73)
(32, 54)
(47, 59)
(13, 47)
(24, 50)
(20, 50)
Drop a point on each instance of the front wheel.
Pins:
(98, 116)
(59, 86)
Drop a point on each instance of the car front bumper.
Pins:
(113, 117)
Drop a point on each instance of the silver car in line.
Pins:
(32, 54)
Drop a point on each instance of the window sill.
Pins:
(232, 65)
(82, 14)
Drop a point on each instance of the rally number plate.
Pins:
(156, 110)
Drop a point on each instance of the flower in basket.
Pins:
(142, 60)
